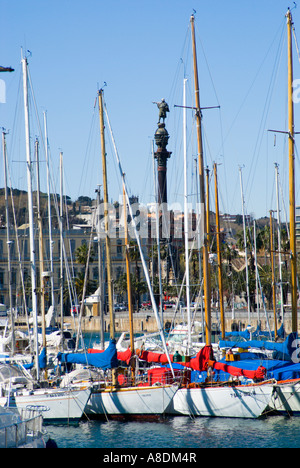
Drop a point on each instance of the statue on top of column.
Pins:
(163, 109)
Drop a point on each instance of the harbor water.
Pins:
(180, 432)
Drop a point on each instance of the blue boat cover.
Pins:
(106, 360)
(258, 332)
(43, 359)
(243, 334)
(284, 351)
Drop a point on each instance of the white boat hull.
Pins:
(135, 401)
(56, 405)
(286, 397)
(231, 402)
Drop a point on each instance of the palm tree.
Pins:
(266, 283)
(240, 239)
(81, 256)
(79, 285)
(134, 256)
(138, 287)
(263, 239)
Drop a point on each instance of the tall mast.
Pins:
(61, 247)
(129, 290)
(207, 209)
(9, 243)
(208, 228)
(30, 211)
(245, 242)
(41, 250)
(279, 243)
(220, 277)
(292, 176)
(202, 193)
(107, 238)
(101, 311)
(49, 213)
(199, 247)
(256, 271)
(186, 223)
(273, 272)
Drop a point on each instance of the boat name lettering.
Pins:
(53, 395)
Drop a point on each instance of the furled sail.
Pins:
(106, 360)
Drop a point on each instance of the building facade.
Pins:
(72, 240)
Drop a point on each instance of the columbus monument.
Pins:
(161, 139)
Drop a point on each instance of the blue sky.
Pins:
(142, 50)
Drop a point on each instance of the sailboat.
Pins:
(19, 389)
(120, 396)
(209, 398)
(286, 392)
(283, 363)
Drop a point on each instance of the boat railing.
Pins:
(155, 376)
(19, 433)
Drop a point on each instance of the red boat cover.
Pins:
(154, 357)
(202, 361)
(258, 374)
(199, 362)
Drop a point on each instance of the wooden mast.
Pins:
(292, 176)
(202, 194)
(207, 209)
(220, 277)
(107, 238)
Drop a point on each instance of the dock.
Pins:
(144, 321)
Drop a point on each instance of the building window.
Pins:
(119, 248)
(1, 279)
(72, 248)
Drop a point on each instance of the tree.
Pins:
(266, 283)
(84, 200)
(134, 255)
(81, 256)
(138, 287)
(79, 285)
(240, 239)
